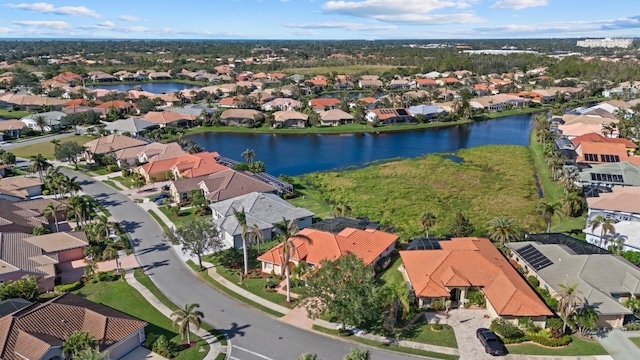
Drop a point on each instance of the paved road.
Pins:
(254, 335)
(38, 140)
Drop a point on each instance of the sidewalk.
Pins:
(215, 347)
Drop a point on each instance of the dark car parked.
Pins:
(492, 344)
(159, 197)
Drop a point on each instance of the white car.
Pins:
(3, 143)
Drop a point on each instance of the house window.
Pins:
(591, 157)
(609, 158)
(268, 266)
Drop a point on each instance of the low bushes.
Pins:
(506, 329)
(632, 327)
(161, 345)
(68, 287)
(511, 334)
(543, 338)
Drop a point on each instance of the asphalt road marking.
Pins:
(250, 352)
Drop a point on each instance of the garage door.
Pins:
(124, 347)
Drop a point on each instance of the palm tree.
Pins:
(307, 356)
(256, 236)
(428, 221)
(241, 216)
(547, 210)
(74, 208)
(73, 186)
(396, 296)
(248, 154)
(572, 203)
(342, 208)
(617, 244)
(41, 122)
(289, 233)
(90, 269)
(39, 164)
(102, 227)
(51, 212)
(90, 354)
(56, 143)
(503, 230)
(185, 317)
(76, 342)
(110, 253)
(570, 299)
(606, 227)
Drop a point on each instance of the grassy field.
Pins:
(254, 286)
(10, 114)
(577, 347)
(311, 200)
(491, 181)
(121, 296)
(184, 217)
(392, 275)
(635, 341)
(499, 114)
(125, 181)
(46, 148)
(405, 350)
(423, 333)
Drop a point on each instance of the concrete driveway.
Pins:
(465, 322)
(142, 353)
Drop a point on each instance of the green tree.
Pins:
(606, 227)
(41, 122)
(69, 151)
(90, 354)
(461, 226)
(570, 298)
(547, 210)
(111, 253)
(197, 237)
(185, 317)
(345, 287)
(241, 217)
(76, 342)
(256, 236)
(396, 298)
(503, 229)
(427, 221)
(341, 208)
(308, 356)
(51, 212)
(8, 158)
(39, 164)
(586, 319)
(198, 200)
(288, 231)
(358, 354)
(572, 203)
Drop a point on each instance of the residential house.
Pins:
(150, 152)
(322, 104)
(38, 331)
(370, 245)
(453, 267)
(622, 205)
(399, 84)
(603, 152)
(68, 78)
(335, 117)
(595, 137)
(369, 102)
(14, 218)
(29, 102)
(609, 175)
(13, 128)
(119, 106)
(430, 112)
(387, 116)
(132, 126)
(571, 131)
(169, 118)
(99, 76)
(289, 119)
(219, 186)
(37, 207)
(343, 84)
(241, 117)
(282, 104)
(370, 84)
(110, 143)
(261, 209)
(184, 166)
(605, 281)
(20, 188)
(447, 81)
(425, 83)
(159, 75)
(51, 119)
(498, 102)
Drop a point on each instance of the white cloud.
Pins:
(344, 26)
(59, 25)
(46, 8)
(129, 18)
(4, 30)
(405, 11)
(518, 4)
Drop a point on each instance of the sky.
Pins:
(320, 19)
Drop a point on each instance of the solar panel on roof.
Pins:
(534, 257)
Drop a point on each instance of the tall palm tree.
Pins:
(41, 122)
(73, 186)
(241, 217)
(111, 253)
(256, 236)
(185, 317)
(606, 227)
(248, 154)
(396, 296)
(572, 203)
(503, 229)
(102, 227)
(428, 221)
(56, 143)
(547, 210)
(90, 354)
(39, 164)
(51, 212)
(569, 301)
(74, 208)
(289, 233)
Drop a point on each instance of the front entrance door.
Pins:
(455, 294)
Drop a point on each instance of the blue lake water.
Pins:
(156, 88)
(299, 154)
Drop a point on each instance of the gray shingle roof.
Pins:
(630, 173)
(598, 276)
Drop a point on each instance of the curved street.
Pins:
(253, 334)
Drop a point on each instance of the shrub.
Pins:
(437, 305)
(107, 276)
(554, 323)
(632, 327)
(506, 329)
(476, 297)
(526, 324)
(437, 327)
(552, 303)
(544, 339)
(148, 342)
(112, 168)
(533, 281)
(68, 287)
(163, 347)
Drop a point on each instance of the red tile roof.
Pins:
(323, 103)
(366, 244)
(472, 262)
(595, 137)
(117, 104)
(600, 148)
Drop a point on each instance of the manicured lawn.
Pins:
(492, 181)
(112, 184)
(122, 297)
(577, 347)
(184, 216)
(495, 115)
(125, 181)
(635, 341)
(405, 350)
(392, 275)
(423, 333)
(10, 114)
(158, 220)
(254, 286)
(46, 148)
